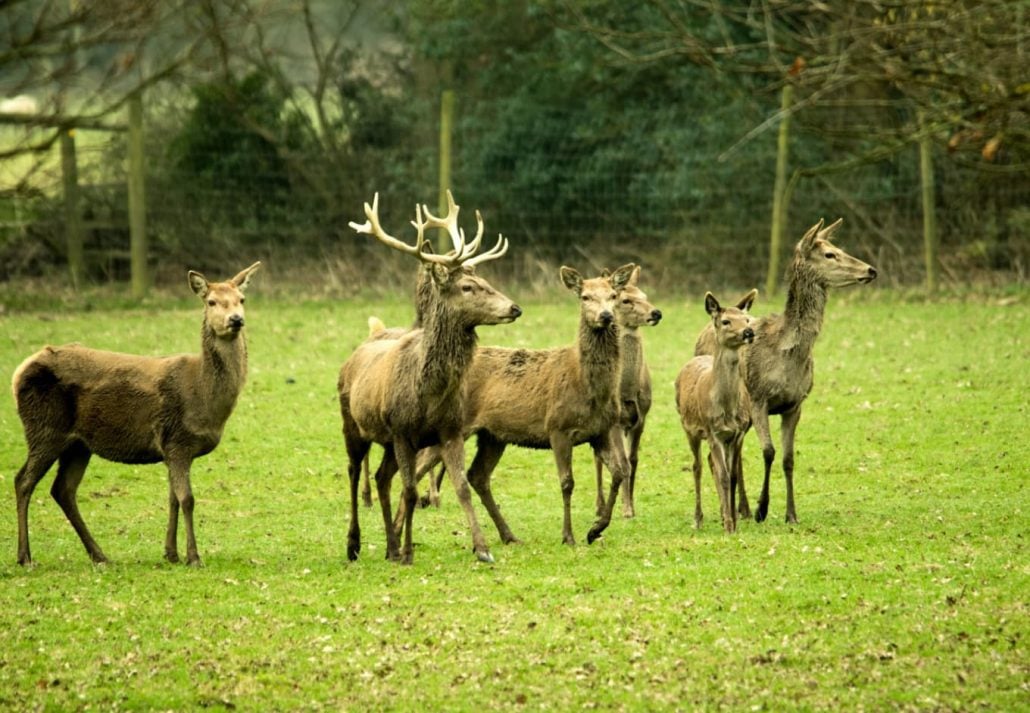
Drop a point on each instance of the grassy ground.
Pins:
(906, 584)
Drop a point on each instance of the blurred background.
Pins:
(697, 137)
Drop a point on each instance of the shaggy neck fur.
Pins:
(223, 369)
(599, 359)
(632, 357)
(448, 346)
(726, 381)
(803, 315)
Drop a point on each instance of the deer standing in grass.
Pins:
(406, 394)
(778, 366)
(74, 401)
(713, 404)
(551, 398)
(632, 311)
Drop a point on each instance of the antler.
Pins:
(373, 227)
(461, 254)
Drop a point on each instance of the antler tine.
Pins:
(471, 248)
(492, 254)
(448, 223)
(374, 228)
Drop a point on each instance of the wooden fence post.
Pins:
(137, 204)
(779, 211)
(931, 240)
(72, 208)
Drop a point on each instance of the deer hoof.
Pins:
(761, 512)
(593, 535)
(194, 563)
(172, 557)
(484, 556)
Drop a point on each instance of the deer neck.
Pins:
(632, 357)
(726, 380)
(803, 315)
(447, 349)
(223, 370)
(600, 359)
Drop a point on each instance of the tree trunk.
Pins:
(137, 204)
(931, 240)
(72, 209)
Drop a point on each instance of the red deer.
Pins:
(406, 393)
(713, 404)
(551, 398)
(632, 312)
(778, 366)
(74, 402)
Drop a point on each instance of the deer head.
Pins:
(598, 296)
(633, 309)
(732, 324)
(471, 298)
(829, 265)
(223, 301)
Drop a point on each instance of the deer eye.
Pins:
(726, 323)
(210, 303)
(831, 256)
(626, 301)
(466, 288)
(242, 300)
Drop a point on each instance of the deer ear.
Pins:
(571, 279)
(198, 283)
(711, 304)
(808, 240)
(747, 300)
(621, 277)
(606, 272)
(243, 278)
(441, 275)
(830, 229)
(634, 276)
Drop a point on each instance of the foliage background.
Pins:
(268, 124)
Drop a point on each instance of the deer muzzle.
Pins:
(749, 335)
(236, 322)
(655, 318)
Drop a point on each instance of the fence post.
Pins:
(446, 129)
(72, 208)
(779, 211)
(137, 204)
(926, 179)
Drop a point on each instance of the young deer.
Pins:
(551, 398)
(74, 402)
(713, 404)
(631, 312)
(778, 367)
(406, 393)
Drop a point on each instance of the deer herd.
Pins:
(420, 393)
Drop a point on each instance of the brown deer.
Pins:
(778, 366)
(632, 311)
(551, 398)
(406, 393)
(74, 402)
(713, 404)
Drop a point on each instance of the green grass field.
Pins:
(906, 584)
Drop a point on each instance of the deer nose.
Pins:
(749, 335)
(516, 311)
(656, 316)
(872, 273)
(606, 318)
(236, 321)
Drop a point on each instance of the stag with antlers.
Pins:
(406, 394)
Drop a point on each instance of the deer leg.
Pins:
(629, 486)
(384, 479)
(70, 469)
(561, 446)
(429, 458)
(488, 455)
(788, 426)
(179, 477)
(721, 476)
(35, 467)
(453, 450)
(613, 452)
(366, 482)
(598, 466)
(760, 421)
(406, 454)
(357, 452)
(436, 483)
(695, 448)
(743, 508)
(171, 536)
